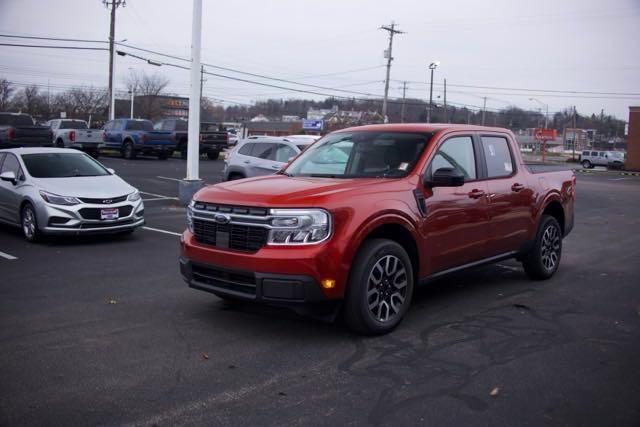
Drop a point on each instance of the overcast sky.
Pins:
(581, 45)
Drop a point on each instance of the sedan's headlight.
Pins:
(54, 199)
(134, 197)
(299, 226)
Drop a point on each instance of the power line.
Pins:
(53, 47)
(53, 39)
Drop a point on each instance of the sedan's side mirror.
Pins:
(111, 171)
(446, 177)
(9, 176)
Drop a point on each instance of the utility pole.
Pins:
(389, 55)
(202, 80)
(133, 94)
(484, 109)
(432, 67)
(575, 134)
(192, 182)
(404, 96)
(445, 101)
(113, 4)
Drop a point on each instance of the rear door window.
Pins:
(594, 153)
(498, 156)
(245, 150)
(283, 153)
(264, 150)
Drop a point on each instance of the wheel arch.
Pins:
(554, 208)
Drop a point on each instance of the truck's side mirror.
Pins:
(446, 177)
(9, 176)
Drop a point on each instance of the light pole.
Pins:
(546, 114)
(132, 92)
(432, 67)
(112, 82)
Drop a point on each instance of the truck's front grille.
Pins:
(234, 281)
(239, 210)
(244, 238)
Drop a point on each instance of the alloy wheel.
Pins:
(387, 288)
(29, 223)
(550, 247)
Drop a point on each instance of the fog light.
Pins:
(328, 283)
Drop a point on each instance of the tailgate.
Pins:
(159, 138)
(214, 138)
(33, 135)
(89, 136)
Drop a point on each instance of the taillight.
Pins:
(104, 136)
(11, 133)
(50, 135)
(142, 137)
(72, 136)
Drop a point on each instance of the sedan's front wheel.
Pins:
(380, 287)
(30, 223)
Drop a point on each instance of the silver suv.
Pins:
(610, 159)
(262, 155)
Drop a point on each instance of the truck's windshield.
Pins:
(361, 155)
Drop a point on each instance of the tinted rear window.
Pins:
(62, 165)
(72, 124)
(16, 120)
(139, 125)
(498, 156)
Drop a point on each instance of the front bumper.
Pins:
(274, 273)
(279, 289)
(65, 220)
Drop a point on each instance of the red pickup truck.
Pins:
(366, 214)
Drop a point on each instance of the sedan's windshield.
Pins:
(62, 165)
(360, 155)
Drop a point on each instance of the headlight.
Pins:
(134, 197)
(190, 216)
(54, 199)
(299, 226)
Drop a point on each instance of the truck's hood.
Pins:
(280, 190)
(96, 187)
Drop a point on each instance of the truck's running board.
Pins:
(478, 263)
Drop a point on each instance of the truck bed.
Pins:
(535, 168)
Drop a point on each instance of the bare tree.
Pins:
(30, 100)
(6, 89)
(148, 88)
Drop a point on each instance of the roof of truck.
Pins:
(422, 127)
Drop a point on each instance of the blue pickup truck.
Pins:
(132, 137)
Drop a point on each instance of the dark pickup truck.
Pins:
(132, 137)
(212, 139)
(18, 130)
(365, 215)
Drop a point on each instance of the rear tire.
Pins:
(543, 259)
(29, 223)
(59, 143)
(380, 288)
(213, 155)
(163, 155)
(128, 152)
(586, 164)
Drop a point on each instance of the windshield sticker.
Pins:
(508, 167)
(492, 150)
(403, 166)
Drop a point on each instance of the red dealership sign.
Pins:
(544, 134)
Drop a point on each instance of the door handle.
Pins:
(517, 187)
(476, 194)
(275, 167)
(247, 162)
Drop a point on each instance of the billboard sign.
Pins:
(312, 125)
(542, 134)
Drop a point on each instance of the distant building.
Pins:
(320, 113)
(582, 138)
(162, 106)
(273, 128)
(290, 118)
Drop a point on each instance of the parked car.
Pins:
(49, 191)
(610, 159)
(260, 156)
(135, 136)
(366, 214)
(73, 133)
(212, 140)
(19, 130)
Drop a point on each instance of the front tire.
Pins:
(128, 152)
(543, 259)
(29, 224)
(380, 288)
(59, 143)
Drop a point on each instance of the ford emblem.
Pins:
(222, 219)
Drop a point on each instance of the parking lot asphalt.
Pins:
(103, 330)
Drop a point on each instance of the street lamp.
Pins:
(546, 114)
(112, 82)
(432, 67)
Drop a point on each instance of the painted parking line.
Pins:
(159, 195)
(618, 179)
(172, 233)
(169, 178)
(7, 256)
